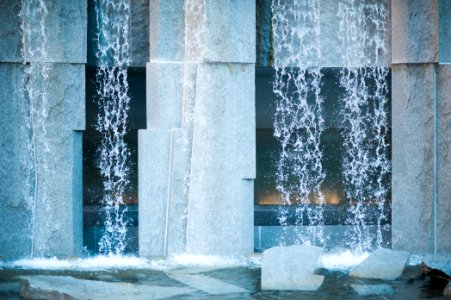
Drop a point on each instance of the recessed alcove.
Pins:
(93, 190)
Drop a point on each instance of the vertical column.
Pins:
(47, 115)
(197, 156)
(220, 209)
(420, 104)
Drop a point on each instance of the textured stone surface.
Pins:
(373, 289)
(291, 268)
(382, 264)
(263, 38)
(414, 31)
(65, 28)
(164, 95)
(444, 34)
(58, 209)
(229, 31)
(10, 47)
(412, 156)
(443, 236)
(66, 287)
(16, 166)
(167, 30)
(223, 155)
(153, 172)
(209, 285)
(51, 172)
(440, 262)
(139, 32)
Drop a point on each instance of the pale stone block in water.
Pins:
(372, 289)
(291, 268)
(208, 285)
(382, 264)
(67, 287)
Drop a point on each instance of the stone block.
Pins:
(382, 264)
(415, 31)
(444, 34)
(67, 287)
(223, 150)
(139, 32)
(153, 172)
(167, 30)
(291, 268)
(178, 196)
(412, 156)
(165, 84)
(443, 205)
(65, 31)
(10, 34)
(372, 289)
(229, 31)
(263, 39)
(58, 216)
(209, 285)
(17, 176)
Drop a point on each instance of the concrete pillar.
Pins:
(420, 141)
(201, 107)
(42, 179)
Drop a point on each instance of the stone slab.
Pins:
(373, 289)
(382, 264)
(208, 284)
(165, 84)
(291, 268)
(412, 156)
(414, 31)
(139, 32)
(444, 34)
(153, 172)
(167, 30)
(443, 206)
(11, 46)
(229, 31)
(223, 150)
(65, 29)
(67, 287)
(17, 179)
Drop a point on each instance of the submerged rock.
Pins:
(67, 287)
(291, 268)
(441, 262)
(447, 291)
(382, 264)
(373, 289)
(208, 285)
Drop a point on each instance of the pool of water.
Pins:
(244, 274)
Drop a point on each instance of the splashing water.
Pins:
(298, 121)
(363, 26)
(113, 19)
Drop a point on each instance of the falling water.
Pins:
(298, 121)
(363, 27)
(113, 18)
(33, 16)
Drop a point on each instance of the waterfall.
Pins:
(33, 16)
(298, 121)
(113, 59)
(362, 30)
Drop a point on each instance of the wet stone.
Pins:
(291, 268)
(67, 287)
(208, 285)
(372, 289)
(382, 264)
